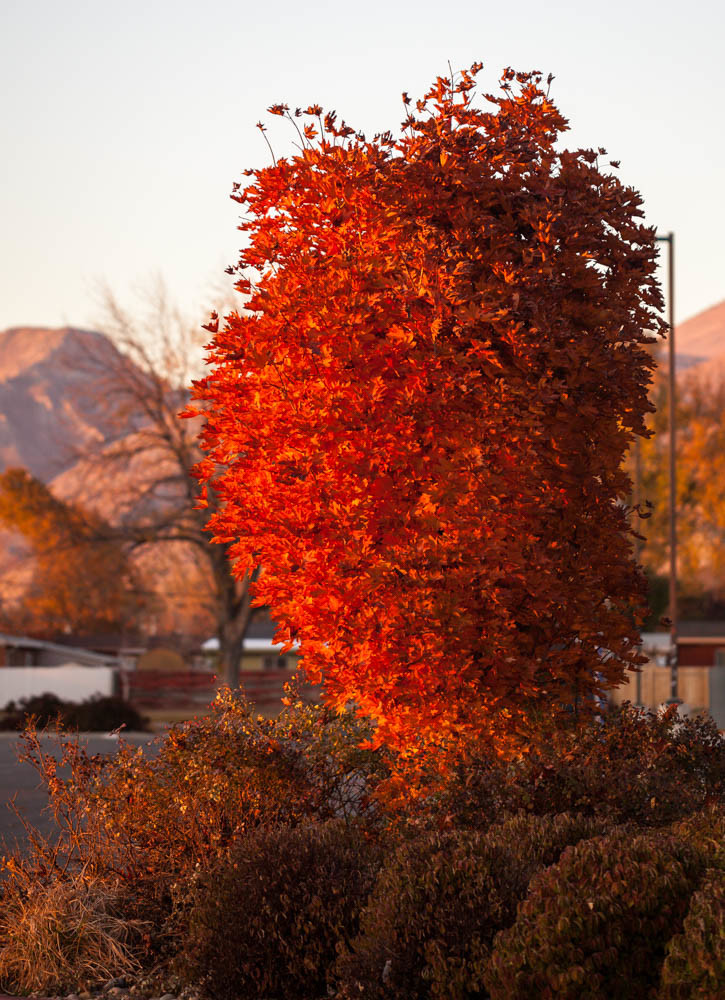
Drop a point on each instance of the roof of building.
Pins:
(258, 639)
(25, 642)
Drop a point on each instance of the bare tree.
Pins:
(143, 471)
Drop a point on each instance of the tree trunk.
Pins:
(231, 633)
(234, 614)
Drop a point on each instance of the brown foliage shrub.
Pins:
(705, 830)
(62, 934)
(629, 767)
(596, 924)
(695, 961)
(267, 919)
(439, 900)
(145, 822)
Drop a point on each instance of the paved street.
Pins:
(21, 780)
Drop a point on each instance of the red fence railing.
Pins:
(151, 689)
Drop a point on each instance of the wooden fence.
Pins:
(701, 688)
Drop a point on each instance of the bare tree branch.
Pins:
(141, 473)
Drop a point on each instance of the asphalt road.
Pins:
(21, 782)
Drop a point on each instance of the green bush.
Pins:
(43, 708)
(628, 767)
(695, 961)
(99, 713)
(439, 900)
(596, 924)
(266, 921)
(104, 714)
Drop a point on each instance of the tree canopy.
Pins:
(417, 425)
(83, 581)
(700, 421)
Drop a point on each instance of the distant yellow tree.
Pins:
(83, 582)
(700, 451)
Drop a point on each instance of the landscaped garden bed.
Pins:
(254, 858)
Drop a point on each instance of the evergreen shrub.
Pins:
(596, 924)
(695, 962)
(438, 902)
(267, 919)
(99, 713)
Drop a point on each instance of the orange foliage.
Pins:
(417, 428)
(83, 580)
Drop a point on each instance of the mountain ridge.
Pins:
(47, 413)
(700, 344)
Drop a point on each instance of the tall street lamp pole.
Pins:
(669, 239)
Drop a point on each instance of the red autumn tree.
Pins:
(417, 429)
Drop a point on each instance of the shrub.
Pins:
(43, 708)
(705, 831)
(59, 934)
(629, 767)
(267, 919)
(439, 900)
(97, 713)
(104, 713)
(695, 961)
(151, 821)
(596, 924)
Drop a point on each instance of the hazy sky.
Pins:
(125, 124)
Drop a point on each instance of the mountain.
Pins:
(48, 410)
(52, 408)
(700, 343)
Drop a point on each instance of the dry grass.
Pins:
(63, 933)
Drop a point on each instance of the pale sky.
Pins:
(125, 124)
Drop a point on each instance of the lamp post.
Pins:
(669, 239)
